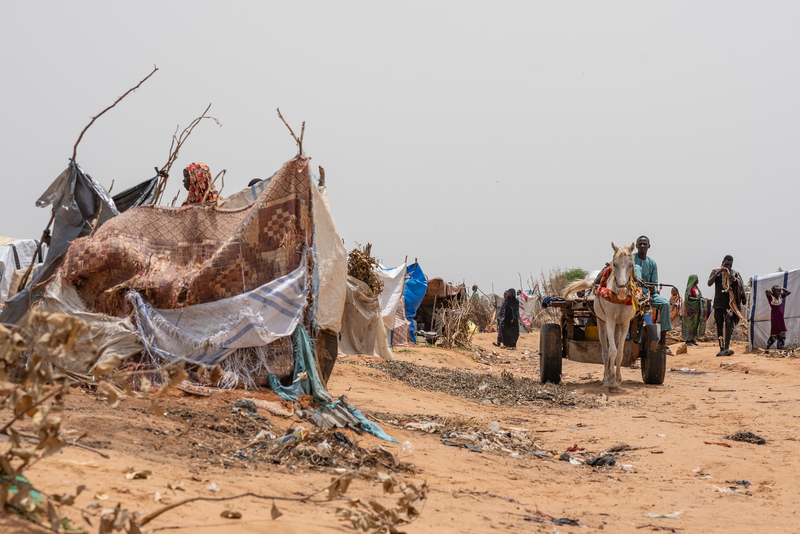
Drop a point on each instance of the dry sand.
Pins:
(674, 472)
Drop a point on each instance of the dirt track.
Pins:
(674, 471)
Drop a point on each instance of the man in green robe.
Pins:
(650, 275)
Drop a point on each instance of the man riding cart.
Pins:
(627, 305)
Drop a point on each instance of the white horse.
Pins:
(613, 320)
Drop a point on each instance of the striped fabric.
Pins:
(207, 333)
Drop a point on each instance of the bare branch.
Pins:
(149, 517)
(296, 140)
(222, 173)
(75, 148)
(174, 149)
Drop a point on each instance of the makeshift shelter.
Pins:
(438, 294)
(80, 205)
(760, 309)
(204, 284)
(363, 327)
(416, 286)
(138, 195)
(17, 255)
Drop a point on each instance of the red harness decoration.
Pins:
(606, 294)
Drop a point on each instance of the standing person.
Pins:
(650, 275)
(695, 308)
(500, 316)
(725, 317)
(675, 307)
(778, 326)
(511, 320)
(197, 180)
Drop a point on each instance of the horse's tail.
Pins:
(574, 287)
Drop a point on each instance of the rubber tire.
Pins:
(654, 361)
(550, 353)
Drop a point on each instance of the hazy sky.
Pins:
(484, 138)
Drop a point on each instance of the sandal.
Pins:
(495, 344)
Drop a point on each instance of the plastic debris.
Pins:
(408, 448)
(748, 437)
(494, 426)
(575, 448)
(666, 516)
(601, 461)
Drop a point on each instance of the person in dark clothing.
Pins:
(500, 315)
(511, 320)
(777, 331)
(726, 282)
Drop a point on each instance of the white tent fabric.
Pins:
(25, 250)
(393, 286)
(363, 330)
(760, 309)
(331, 260)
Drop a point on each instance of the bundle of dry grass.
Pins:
(362, 266)
(456, 319)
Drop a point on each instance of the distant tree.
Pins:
(575, 273)
(779, 269)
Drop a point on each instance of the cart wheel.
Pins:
(550, 353)
(654, 361)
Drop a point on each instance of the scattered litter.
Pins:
(407, 447)
(728, 490)
(213, 487)
(748, 437)
(575, 448)
(601, 461)
(666, 516)
(603, 398)
(577, 461)
(101, 496)
(721, 444)
(721, 390)
(273, 407)
(745, 483)
(656, 452)
(563, 521)
(564, 457)
(231, 514)
(494, 426)
(618, 447)
(687, 371)
(425, 426)
(723, 365)
(473, 448)
(244, 405)
(136, 475)
(661, 435)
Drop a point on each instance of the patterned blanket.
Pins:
(606, 294)
(175, 257)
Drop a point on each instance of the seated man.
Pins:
(650, 275)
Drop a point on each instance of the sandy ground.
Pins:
(674, 471)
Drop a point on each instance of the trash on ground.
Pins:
(575, 448)
(748, 437)
(666, 516)
(721, 444)
(745, 483)
(618, 447)
(601, 461)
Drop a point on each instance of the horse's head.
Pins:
(622, 266)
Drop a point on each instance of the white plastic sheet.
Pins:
(25, 249)
(760, 309)
(393, 285)
(331, 264)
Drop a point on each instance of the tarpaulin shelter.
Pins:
(80, 204)
(416, 286)
(438, 294)
(363, 327)
(214, 285)
(138, 195)
(17, 255)
(760, 310)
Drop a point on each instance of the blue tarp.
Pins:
(416, 285)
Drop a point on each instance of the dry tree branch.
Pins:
(174, 148)
(222, 173)
(149, 517)
(34, 405)
(75, 148)
(298, 141)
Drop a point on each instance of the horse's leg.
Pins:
(621, 330)
(601, 332)
(610, 357)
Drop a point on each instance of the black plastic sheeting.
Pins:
(138, 195)
(78, 200)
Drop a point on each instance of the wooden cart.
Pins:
(573, 339)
